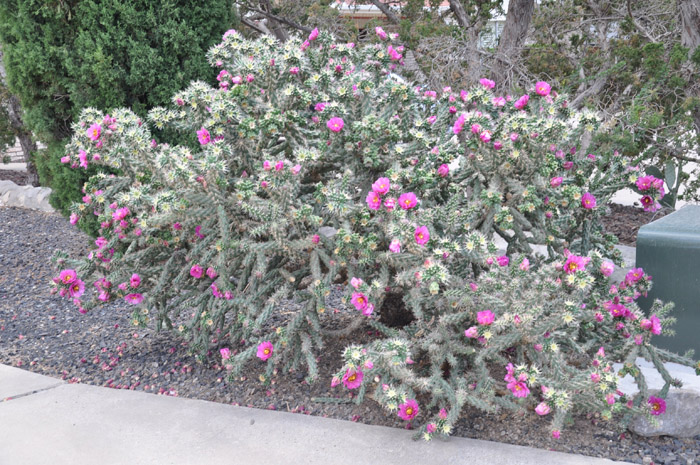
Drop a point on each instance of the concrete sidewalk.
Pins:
(45, 421)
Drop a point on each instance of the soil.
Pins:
(624, 221)
(18, 177)
(44, 333)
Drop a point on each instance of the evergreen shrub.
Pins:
(319, 167)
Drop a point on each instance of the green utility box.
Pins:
(669, 250)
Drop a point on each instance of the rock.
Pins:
(327, 231)
(681, 419)
(36, 198)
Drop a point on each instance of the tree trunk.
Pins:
(690, 37)
(514, 33)
(25, 138)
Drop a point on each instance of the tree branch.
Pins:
(280, 19)
(384, 8)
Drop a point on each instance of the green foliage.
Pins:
(61, 57)
(318, 169)
(7, 133)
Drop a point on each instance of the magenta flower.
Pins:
(356, 282)
(556, 181)
(443, 170)
(503, 260)
(368, 310)
(485, 318)
(634, 275)
(196, 271)
(588, 201)
(525, 264)
(203, 136)
(431, 428)
(315, 238)
(352, 379)
(395, 246)
(556, 434)
(76, 289)
(74, 218)
(359, 300)
(134, 299)
(313, 35)
(408, 410)
(542, 409)
(655, 325)
(521, 102)
(390, 204)
(459, 124)
(320, 106)
(335, 124)
(646, 182)
(575, 263)
(518, 388)
(225, 353)
(94, 131)
(211, 272)
(422, 235)
(374, 202)
(487, 83)
(279, 165)
(607, 268)
(65, 159)
(67, 276)
(135, 280)
(294, 70)
(658, 405)
(381, 186)
(485, 136)
(265, 350)
(542, 88)
(408, 200)
(296, 169)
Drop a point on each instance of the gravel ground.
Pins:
(45, 334)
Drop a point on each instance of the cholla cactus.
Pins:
(316, 166)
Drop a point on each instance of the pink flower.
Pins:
(381, 186)
(556, 181)
(82, 156)
(294, 70)
(395, 55)
(374, 202)
(595, 377)
(313, 35)
(315, 238)
(658, 405)
(472, 332)
(94, 131)
(133, 299)
(485, 318)
(380, 32)
(135, 281)
(76, 289)
(422, 235)
(588, 201)
(487, 83)
(335, 124)
(645, 182)
(518, 388)
(395, 246)
(211, 272)
(542, 409)
(267, 166)
(485, 136)
(203, 136)
(521, 102)
(352, 379)
(65, 159)
(196, 271)
(359, 300)
(607, 268)
(655, 325)
(279, 165)
(476, 128)
(74, 218)
(575, 263)
(356, 282)
(634, 275)
(542, 88)
(225, 353)
(296, 169)
(265, 350)
(498, 145)
(503, 260)
(556, 434)
(368, 310)
(459, 124)
(431, 428)
(443, 414)
(443, 170)
(408, 200)
(408, 410)
(525, 264)
(67, 276)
